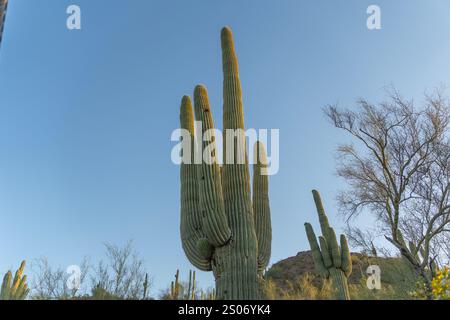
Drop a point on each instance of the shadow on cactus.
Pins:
(222, 229)
(330, 260)
(15, 288)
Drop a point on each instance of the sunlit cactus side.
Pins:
(179, 291)
(14, 288)
(222, 229)
(175, 287)
(330, 260)
(3, 8)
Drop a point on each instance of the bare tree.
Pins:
(52, 283)
(361, 239)
(122, 275)
(400, 171)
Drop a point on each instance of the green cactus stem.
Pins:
(190, 295)
(330, 260)
(175, 287)
(17, 288)
(222, 229)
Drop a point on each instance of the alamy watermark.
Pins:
(374, 19)
(74, 280)
(207, 147)
(374, 277)
(73, 21)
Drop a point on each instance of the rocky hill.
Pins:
(394, 271)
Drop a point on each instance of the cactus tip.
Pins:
(226, 35)
(200, 89)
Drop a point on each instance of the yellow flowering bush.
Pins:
(441, 284)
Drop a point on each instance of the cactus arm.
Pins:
(214, 221)
(17, 279)
(190, 222)
(334, 248)
(6, 286)
(21, 288)
(327, 261)
(315, 249)
(261, 207)
(346, 262)
(323, 219)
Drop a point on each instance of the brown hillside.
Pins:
(393, 270)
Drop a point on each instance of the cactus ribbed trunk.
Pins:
(221, 229)
(340, 284)
(241, 281)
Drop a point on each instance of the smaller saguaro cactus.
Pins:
(17, 288)
(3, 8)
(146, 286)
(191, 286)
(330, 260)
(179, 292)
(175, 287)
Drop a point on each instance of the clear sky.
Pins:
(86, 116)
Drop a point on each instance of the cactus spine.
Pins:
(17, 288)
(331, 260)
(221, 229)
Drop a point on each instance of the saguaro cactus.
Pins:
(186, 291)
(3, 7)
(17, 288)
(330, 259)
(221, 229)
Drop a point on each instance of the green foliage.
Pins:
(331, 260)
(223, 227)
(14, 288)
(100, 293)
(441, 284)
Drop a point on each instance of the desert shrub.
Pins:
(275, 273)
(441, 284)
(304, 288)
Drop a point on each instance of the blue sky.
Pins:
(86, 116)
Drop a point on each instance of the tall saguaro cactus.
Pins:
(222, 230)
(14, 288)
(3, 7)
(330, 259)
